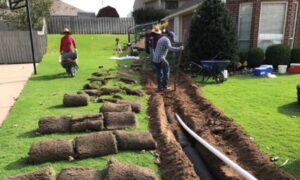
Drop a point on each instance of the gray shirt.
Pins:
(161, 50)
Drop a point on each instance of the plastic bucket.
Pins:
(282, 69)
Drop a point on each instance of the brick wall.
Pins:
(233, 7)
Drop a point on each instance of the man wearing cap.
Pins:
(66, 44)
(160, 61)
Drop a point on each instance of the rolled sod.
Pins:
(79, 173)
(135, 140)
(133, 92)
(135, 106)
(114, 107)
(42, 174)
(109, 91)
(119, 120)
(95, 145)
(52, 124)
(128, 80)
(123, 171)
(92, 92)
(90, 122)
(50, 150)
(73, 100)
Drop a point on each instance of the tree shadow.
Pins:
(18, 164)
(289, 109)
(49, 77)
(29, 134)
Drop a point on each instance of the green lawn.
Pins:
(267, 109)
(43, 96)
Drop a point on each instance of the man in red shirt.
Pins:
(66, 44)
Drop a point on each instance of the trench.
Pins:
(208, 122)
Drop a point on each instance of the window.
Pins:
(171, 4)
(244, 28)
(271, 24)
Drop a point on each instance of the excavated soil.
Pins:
(208, 122)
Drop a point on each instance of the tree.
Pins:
(212, 32)
(39, 10)
(148, 15)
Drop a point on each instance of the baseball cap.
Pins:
(171, 34)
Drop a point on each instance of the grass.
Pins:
(42, 96)
(267, 109)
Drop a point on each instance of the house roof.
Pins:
(108, 11)
(186, 7)
(59, 8)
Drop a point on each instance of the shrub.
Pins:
(255, 57)
(278, 54)
(144, 15)
(211, 32)
(295, 55)
(243, 55)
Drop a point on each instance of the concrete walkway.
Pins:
(12, 81)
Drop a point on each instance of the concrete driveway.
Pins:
(12, 81)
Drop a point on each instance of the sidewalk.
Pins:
(12, 81)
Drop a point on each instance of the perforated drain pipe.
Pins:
(216, 152)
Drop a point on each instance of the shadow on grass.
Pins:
(61, 106)
(290, 109)
(49, 77)
(29, 134)
(18, 164)
(293, 168)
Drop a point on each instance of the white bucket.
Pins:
(225, 74)
(282, 69)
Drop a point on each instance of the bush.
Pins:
(243, 55)
(295, 55)
(255, 57)
(278, 54)
(212, 32)
(145, 15)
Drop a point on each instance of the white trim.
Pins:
(284, 23)
(182, 11)
(294, 24)
(250, 3)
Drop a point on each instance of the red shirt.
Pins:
(66, 44)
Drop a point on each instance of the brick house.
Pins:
(168, 5)
(259, 23)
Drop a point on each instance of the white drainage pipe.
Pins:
(216, 152)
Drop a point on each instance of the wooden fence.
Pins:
(89, 25)
(15, 47)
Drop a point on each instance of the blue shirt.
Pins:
(161, 50)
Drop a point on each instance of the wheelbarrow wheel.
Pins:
(219, 78)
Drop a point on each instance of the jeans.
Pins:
(162, 74)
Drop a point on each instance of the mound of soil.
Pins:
(135, 140)
(114, 107)
(52, 124)
(95, 145)
(121, 171)
(133, 92)
(220, 131)
(79, 173)
(174, 162)
(73, 100)
(42, 174)
(119, 120)
(135, 106)
(50, 150)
